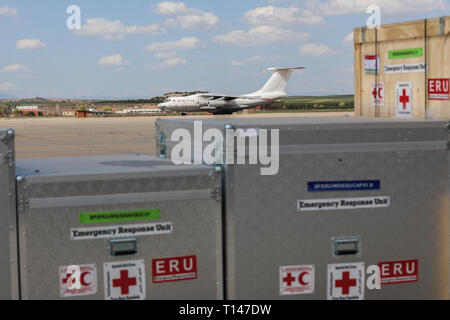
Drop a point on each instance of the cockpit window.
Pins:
(167, 100)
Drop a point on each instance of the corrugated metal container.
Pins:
(119, 227)
(8, 230)
(349, 193)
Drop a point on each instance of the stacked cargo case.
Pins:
(137, 227)
(9, 286)
(274, 245)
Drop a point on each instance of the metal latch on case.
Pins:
(123, 247)
(346, 246)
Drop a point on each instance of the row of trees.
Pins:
(4, 109)
(135, 101)
(312, 106)
(7, 110)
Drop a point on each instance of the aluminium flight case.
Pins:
(8, 231)
(273, 242)
(119, 227)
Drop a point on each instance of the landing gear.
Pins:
(183, 113)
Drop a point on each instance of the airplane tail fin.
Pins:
(279, 79)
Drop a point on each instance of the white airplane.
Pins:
(225, 104)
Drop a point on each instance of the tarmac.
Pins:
(67, 137)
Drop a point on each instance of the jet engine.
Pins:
(202, 103)
(215, 103)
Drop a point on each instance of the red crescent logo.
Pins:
(83, 282)
(300, 279)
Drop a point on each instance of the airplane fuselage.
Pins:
(197, 103)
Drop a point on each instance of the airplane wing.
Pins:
(209, 96)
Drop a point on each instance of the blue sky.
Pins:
(141, 48)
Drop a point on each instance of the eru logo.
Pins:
(74, 20)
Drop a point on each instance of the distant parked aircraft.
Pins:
(225, 104)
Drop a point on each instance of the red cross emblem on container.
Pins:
(296, 279)
(124, 280)
(404, 99)
(346, 281)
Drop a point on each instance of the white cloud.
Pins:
(237, 63)
(174, 62)
(112, 61)
(169, 8)
(194, 21)
(188, 43)
(312, 49)
(398, 7)
(240, 63)
(255, 59)
(30, 44)
(15, 68)
(348, 39)
(260, 35)
(278, 16)
(165, 54)
(8, 11)
(115, 30)
(7, 86)
(120, 69)
(169, 63)
(186, 18)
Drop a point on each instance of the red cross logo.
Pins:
(345, 283)
(289, 279)
(66, 278)
(404, 99)
(124, 282)
(374, 93)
